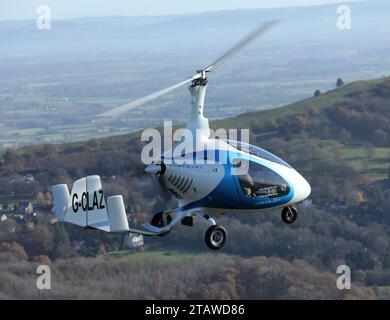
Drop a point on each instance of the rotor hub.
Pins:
(201, 81)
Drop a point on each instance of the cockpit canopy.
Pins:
(256, 151)
(260, 181)
(257, 180)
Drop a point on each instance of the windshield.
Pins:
(257, 152)
(261, 181)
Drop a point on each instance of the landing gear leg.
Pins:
(289, 215)
(158, 221)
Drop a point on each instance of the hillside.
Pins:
(340, 141)
(144, 275)
(353, 120)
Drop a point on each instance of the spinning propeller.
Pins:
(201, 74)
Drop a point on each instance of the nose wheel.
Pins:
(215, 237)
(289, 215)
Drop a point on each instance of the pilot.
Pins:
(247, 184)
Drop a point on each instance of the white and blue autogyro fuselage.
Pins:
(220, 176)
(225, 175)
(261, 181)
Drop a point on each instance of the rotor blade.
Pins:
(249, 38)
(262, 29)
(134, 104)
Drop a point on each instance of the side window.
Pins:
(261, 181)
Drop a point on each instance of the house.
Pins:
(27, 178)
(3, 218)
(133, 241)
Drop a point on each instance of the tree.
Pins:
(15, 249)
(361, 259)
(13, 160)
(271, 124)
(255, 125)
(354, 198)
(345, 136)
(40, 199)
(339, 83)
(38, 241)
(62, 244)
(93, 143)
(380, 137)
(317, 93)
(301, 123)
(50, 149)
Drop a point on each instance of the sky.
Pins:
(65, 9)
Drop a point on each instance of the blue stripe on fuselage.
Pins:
(229, 195)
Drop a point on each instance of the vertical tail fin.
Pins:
(61, 198)
(117, 214)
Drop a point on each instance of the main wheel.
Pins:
(158, 221)
(215, 237)
(289, 215)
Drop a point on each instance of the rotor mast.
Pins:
(198, 124)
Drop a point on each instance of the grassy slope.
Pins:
(355, 153)
(327, 99)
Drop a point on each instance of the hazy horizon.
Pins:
(20, 10)
(89, 65)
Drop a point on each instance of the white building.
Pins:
(133, 241)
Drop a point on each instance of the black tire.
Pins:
(158, 221)
(215, 237)
(289, 215)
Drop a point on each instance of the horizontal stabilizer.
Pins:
(147, 232)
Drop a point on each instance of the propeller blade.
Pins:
(134, 104)
(260, 30)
